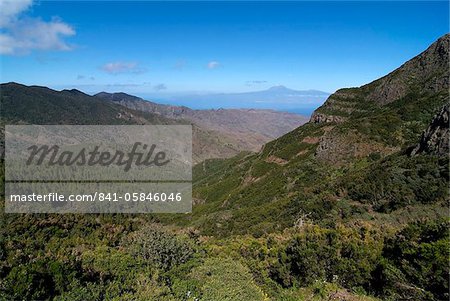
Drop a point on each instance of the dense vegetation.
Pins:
(376, 227)
(91, 257)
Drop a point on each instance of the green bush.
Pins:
(416, 262)
(398, 181)
(160, 247)
(343, 255)
(224, 279)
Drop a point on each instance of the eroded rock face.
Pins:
(323, 118)
(435, 139)
(338, 149)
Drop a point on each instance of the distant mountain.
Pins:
(277, 97)
(22, 104)
(246, 129)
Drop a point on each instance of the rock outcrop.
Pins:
(435, 139)
(323, 118)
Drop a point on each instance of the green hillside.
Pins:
(350, 167)
(335, 166)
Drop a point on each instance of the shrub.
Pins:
(343, 255)
(160, 247)
(224, 279)
(416, 262)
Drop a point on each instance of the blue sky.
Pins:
(147, 47)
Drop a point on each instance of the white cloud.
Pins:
(10, 9)
(213, 65)
(122, 67)
(160, 87)
(124, 85)
(20, 35)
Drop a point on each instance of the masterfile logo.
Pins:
(146, 157)
(98, 169)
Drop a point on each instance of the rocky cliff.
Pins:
(435, 139)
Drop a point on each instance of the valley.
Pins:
(216, 133)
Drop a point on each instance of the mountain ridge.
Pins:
(395, 85)
(251, 127)
(23, 104)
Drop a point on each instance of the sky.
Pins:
(161, 48)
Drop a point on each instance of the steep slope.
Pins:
(350, 162)
(390, 112)
(425, 74)
(245, 129)
(343, 192)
